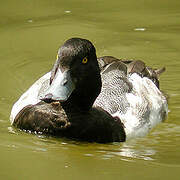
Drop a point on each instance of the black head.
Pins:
(76, 74)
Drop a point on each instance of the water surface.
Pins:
(30, 34)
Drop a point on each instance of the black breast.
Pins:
(94, 125)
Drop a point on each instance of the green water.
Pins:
(31, 32)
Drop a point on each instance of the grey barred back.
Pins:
(114, 87)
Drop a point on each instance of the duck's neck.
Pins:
(84, 96)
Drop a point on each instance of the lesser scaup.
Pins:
(93, 99)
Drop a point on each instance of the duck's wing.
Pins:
(133, 66)
(139, 67)
(115, 85)
(106, 60)
(31, 96)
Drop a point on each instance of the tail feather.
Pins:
(159, 71)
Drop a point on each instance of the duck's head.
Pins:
(75, 74)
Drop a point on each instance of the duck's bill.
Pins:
(61, 87)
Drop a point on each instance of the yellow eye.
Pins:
(85, 60)
(57, 56)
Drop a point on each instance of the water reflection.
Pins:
(11, 130)
(129, 151)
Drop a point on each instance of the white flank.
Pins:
(29, 97)
(148, 98)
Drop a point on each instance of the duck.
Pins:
(92, 99)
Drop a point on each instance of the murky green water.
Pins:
(31, 32)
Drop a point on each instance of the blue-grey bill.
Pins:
(61, 87)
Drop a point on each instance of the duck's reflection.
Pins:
(129, 151)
